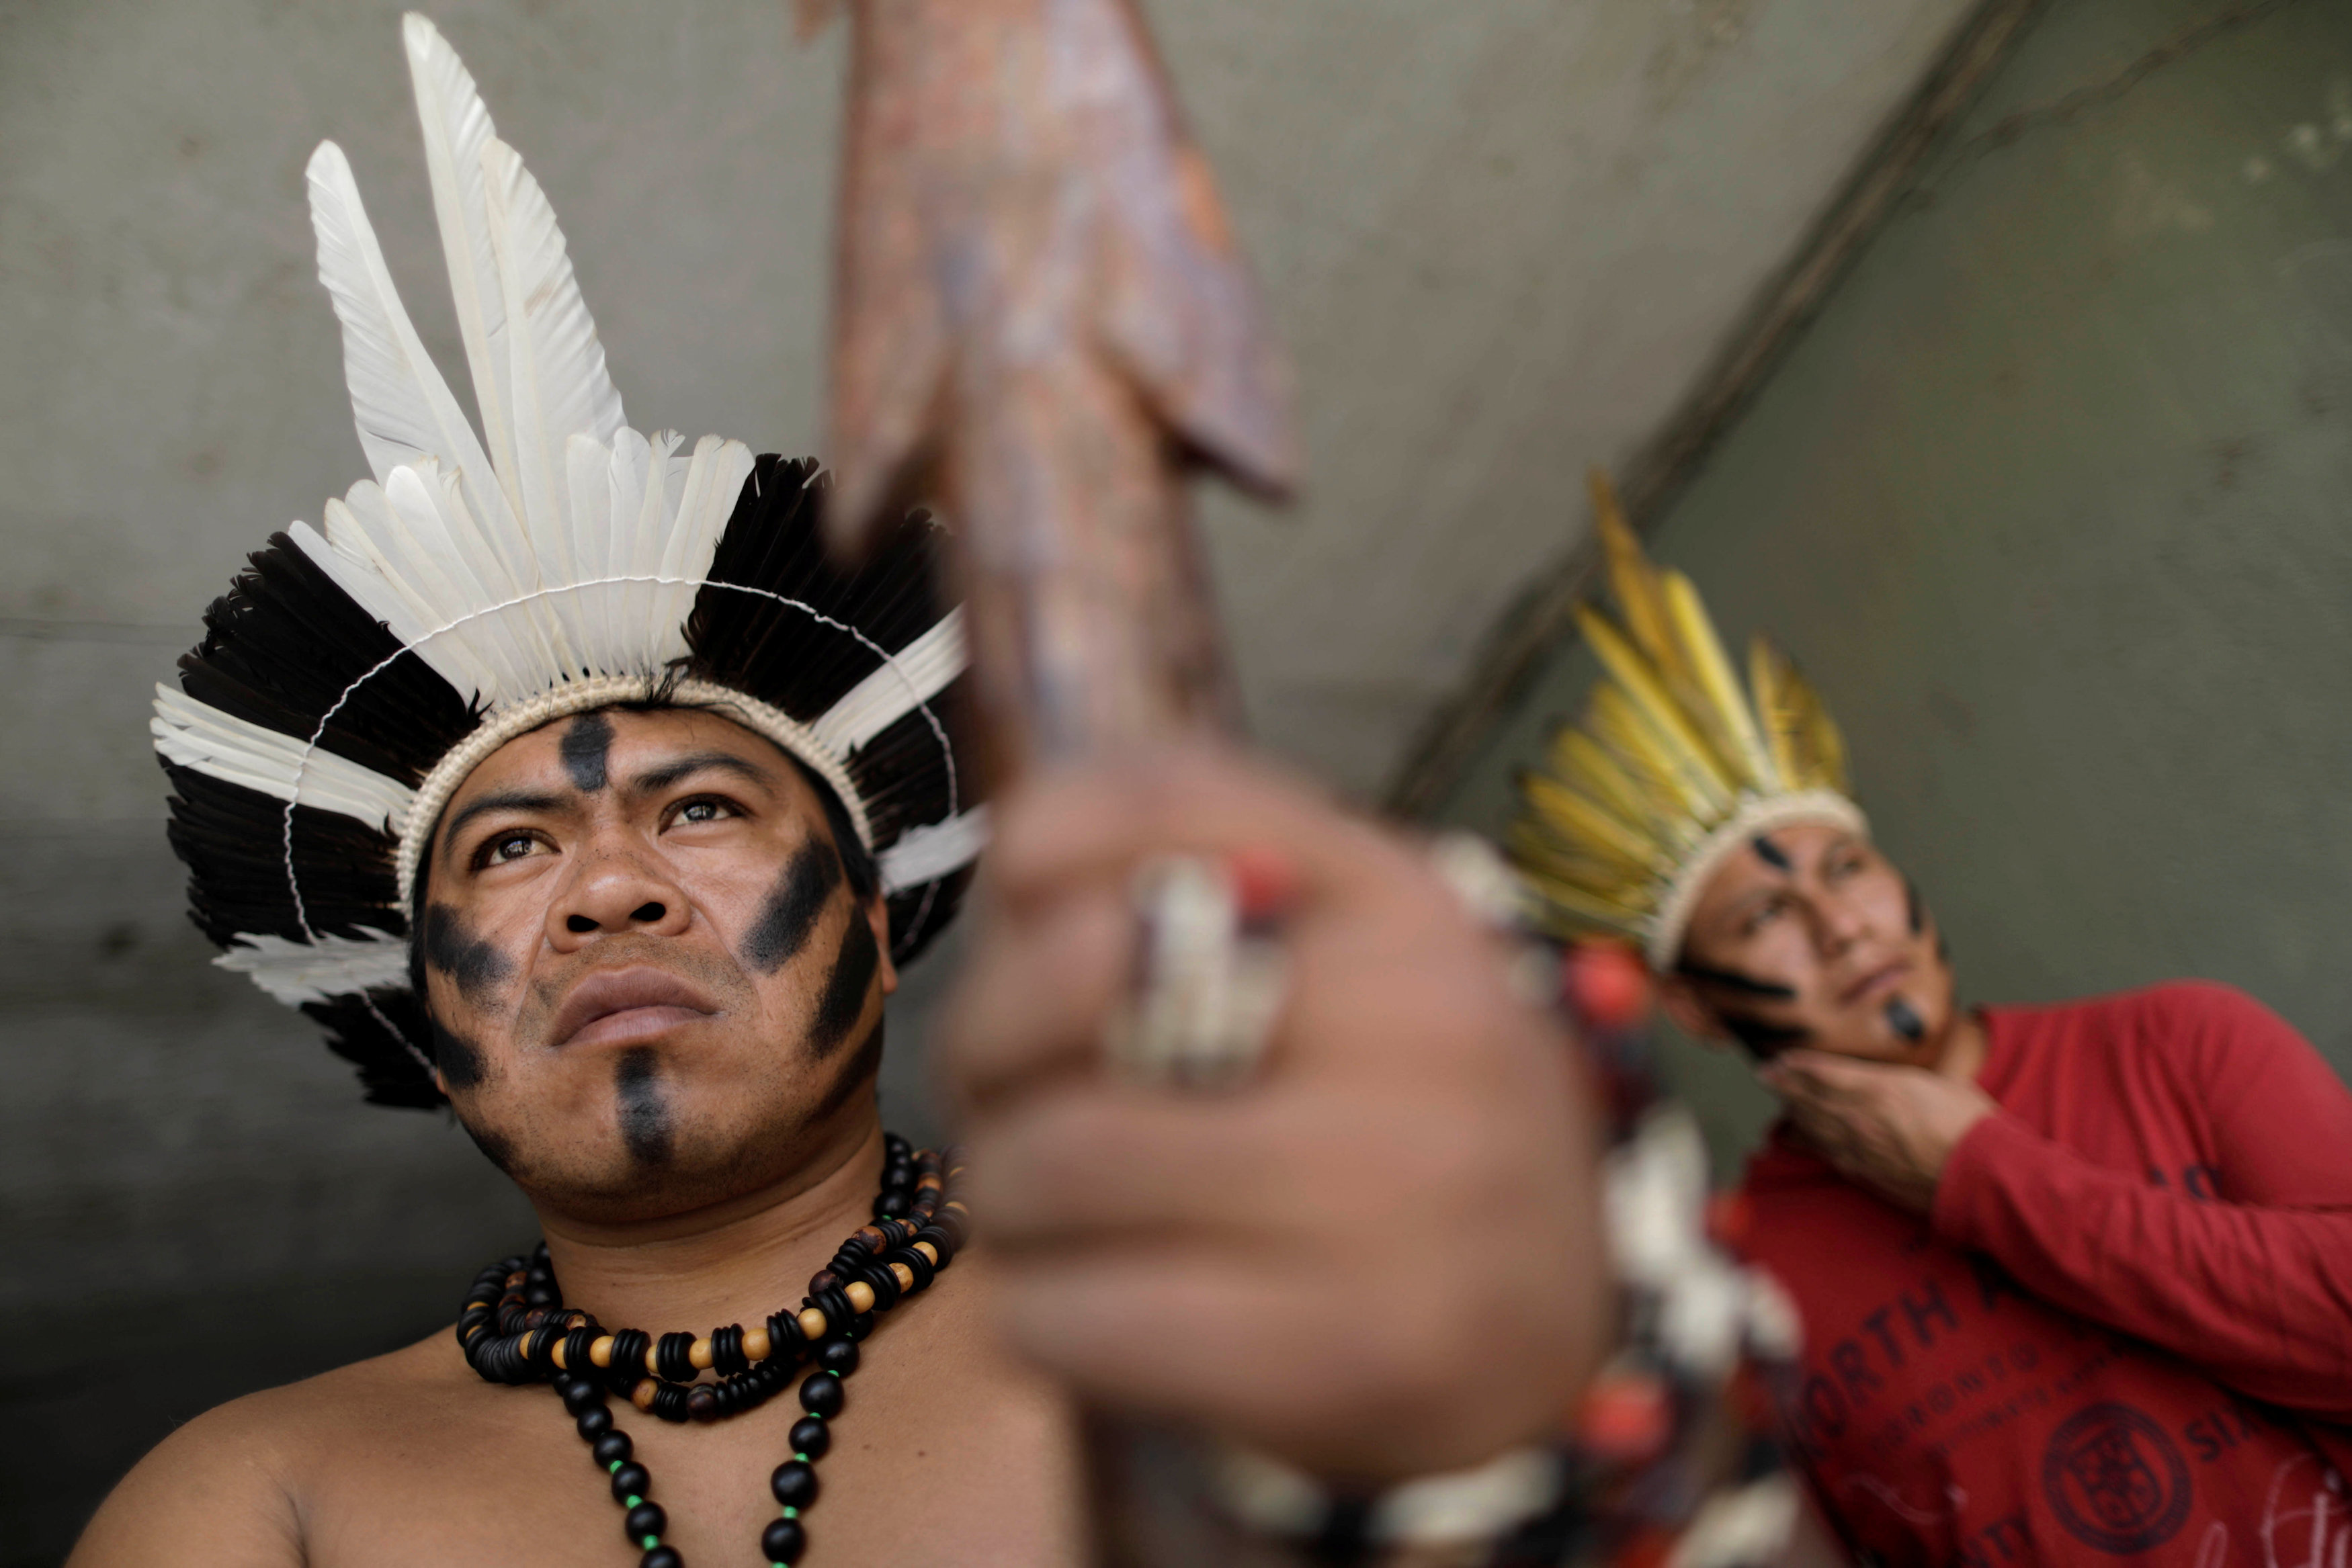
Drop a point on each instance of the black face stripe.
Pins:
(1917, 910)
(450, 946)
(1905, 1020)
(494, 1146)
(1762, 1041)
(642, 1110)
(1770, 853)
(855, 1073)
(844, 1003)
(587, 742)
(794, 906)
(1729, 980)
(459, 1061)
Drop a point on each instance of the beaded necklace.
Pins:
(514, 1328)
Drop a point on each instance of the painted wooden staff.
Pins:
(1041, 323)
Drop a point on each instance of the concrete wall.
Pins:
(2054, 503)
(1501, 238)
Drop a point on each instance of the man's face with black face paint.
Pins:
(1811, 937)
(651, 988)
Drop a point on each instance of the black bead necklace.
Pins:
(514, 1328)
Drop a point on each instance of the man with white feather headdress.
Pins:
(561, 776)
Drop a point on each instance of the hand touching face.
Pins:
(1381, 1257)
(650, 982)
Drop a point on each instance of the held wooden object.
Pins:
(1041, 323)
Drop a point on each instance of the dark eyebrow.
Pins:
(512, 800)
(654, 779)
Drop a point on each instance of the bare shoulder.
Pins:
(230, 1487)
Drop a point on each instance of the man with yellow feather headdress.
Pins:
(2077, 1280)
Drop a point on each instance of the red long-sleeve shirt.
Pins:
(2126, 1331)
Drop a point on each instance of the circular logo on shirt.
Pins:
(2116, 1480)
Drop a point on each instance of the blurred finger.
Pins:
(1032, 1002)
(1110, 1161)
(1099, 823)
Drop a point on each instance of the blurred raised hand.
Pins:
(1380, 1258)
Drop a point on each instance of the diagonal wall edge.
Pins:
(1518, 642)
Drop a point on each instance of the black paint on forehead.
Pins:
(1732, 980)
(1770, 853)
(844, 1003)
(1918, 911)
(587, 743)
(451, 945)
(643, 1111)
(793, 906)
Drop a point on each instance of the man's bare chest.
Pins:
(966, 1469)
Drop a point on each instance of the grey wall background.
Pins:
(2053, 501)
(2060, 457)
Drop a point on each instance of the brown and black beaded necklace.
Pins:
(514, 1328)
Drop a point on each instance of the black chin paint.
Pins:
(584, 748)
(473, 965)
(794, 905)
(642, 1113)
(1731, 980)
(1905, 1020)
(844, 1003)
(1770, 853)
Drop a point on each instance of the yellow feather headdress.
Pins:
(1673, 766)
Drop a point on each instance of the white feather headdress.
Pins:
(482, 583)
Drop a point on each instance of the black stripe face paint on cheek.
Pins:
(844, 1003)
(794, 907)
(459, 1061)
(1761, 1040)
(473, 965)
(584, 747)
(639, 1107)
(1918, 911)
(1745, 984)
(855, 1073)
(1770, 853)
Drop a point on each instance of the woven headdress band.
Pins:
(1673, 767)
